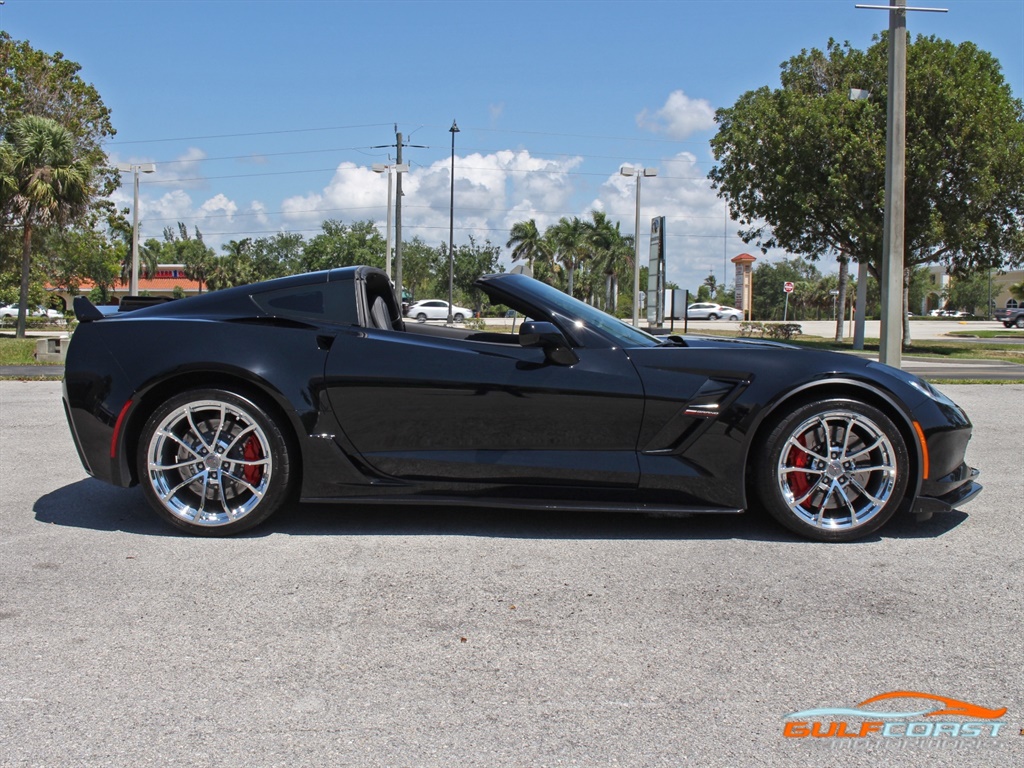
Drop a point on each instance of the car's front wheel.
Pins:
(460, 318)
(1020, 321)
(833, 470)
(421, 317)
(213, 463)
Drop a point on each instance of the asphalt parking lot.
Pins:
(344, 636)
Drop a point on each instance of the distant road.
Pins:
(920, 330)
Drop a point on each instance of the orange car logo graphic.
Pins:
(948, 706)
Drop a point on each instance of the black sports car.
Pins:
(227, 404)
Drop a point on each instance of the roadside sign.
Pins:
(788, 287)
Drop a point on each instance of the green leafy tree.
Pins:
(769, 281)
(344, 245)
(33, 82)
(189, 251)
(276, 256)
(422, 270)
(70, 257)
(803, 167)
(969, 293)
(471, 262)
(46, 184)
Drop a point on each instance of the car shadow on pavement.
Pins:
(91, 504)
(100, 507)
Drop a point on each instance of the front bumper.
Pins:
(948, 493)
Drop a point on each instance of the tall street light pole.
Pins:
(451, 229)
(893, 241)
(135, 169)
(628, 170)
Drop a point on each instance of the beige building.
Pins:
(939, 281)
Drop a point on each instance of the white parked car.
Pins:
(710, 311)
(436, 309)
(11, 311)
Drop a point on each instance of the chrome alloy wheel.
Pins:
(837, 470)
(209, 463)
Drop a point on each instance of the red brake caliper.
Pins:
(252, 452)
(799, 482)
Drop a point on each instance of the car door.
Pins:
(422, 407)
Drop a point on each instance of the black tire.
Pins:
(421, 318)
(1019, 322)
(460, 318)
(213, 463)
(832, 470)
(712, 316)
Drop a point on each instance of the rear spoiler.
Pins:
(86, 311)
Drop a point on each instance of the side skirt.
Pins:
(667, 510)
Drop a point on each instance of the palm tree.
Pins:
(569, 245)
(50, 185)
(527, 243)
(611, 253)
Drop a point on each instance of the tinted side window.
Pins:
(324, 303)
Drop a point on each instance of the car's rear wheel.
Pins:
(834, 470)
(213, 463)
(421, 317)
(712, 316)
(1020, 321)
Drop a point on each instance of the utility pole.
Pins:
(398, 225)
(398, 206)
(893, 312)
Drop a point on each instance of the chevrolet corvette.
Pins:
(228, 405)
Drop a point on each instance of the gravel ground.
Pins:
(343, 636)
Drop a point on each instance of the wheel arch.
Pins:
(261, 392)
(841, 388)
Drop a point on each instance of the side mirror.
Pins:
(535, 333)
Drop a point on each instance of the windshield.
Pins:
(574, 310)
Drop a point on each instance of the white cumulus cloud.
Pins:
(680, 117)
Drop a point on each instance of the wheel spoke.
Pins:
(154, 467)
(866, 449)
(847, 501)
(220, 426)
(195, 430)
(245, 432)
(794, 442)
(187, 481)
(244, 483)
(182, 443)
(875, 500)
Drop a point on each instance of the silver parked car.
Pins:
(436, 309)
(710, 311)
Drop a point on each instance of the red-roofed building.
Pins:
(162, 283)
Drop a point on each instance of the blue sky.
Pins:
(264, 116)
